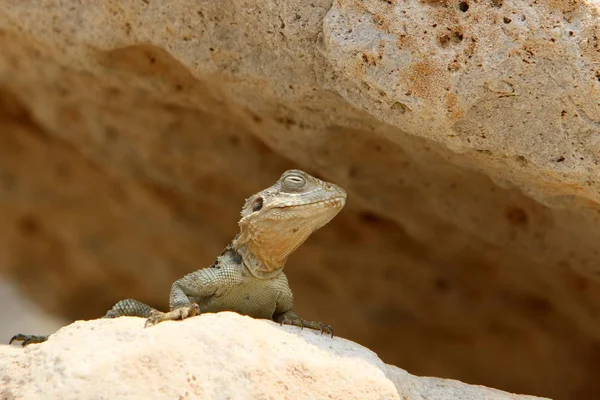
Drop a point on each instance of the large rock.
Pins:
(515, 81)
(215, 356)
(466, 134)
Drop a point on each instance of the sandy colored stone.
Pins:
(517, 80)
(131, 133)
(216, 356)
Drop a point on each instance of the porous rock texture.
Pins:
(467, 134)
(214, 356)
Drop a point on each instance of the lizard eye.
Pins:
(293, 182)
(257, 204)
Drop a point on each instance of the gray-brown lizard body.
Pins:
(248, 276)
(227, 285)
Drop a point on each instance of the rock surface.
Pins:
(215, 356)
(466, 134)
(518, 80)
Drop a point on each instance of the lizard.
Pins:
(248, 276)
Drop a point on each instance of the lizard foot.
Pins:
(297, 321)
(28, 339)
(178, 313)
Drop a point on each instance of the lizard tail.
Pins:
(129, 308)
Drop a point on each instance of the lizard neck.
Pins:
(265, 251)
(240, 255)
(260, 267)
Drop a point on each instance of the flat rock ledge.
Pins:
(214, 356)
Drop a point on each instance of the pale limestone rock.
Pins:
(132, 131)
(519, 80)
(215, 356)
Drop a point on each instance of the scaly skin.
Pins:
(248, 276)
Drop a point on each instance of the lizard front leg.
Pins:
(285, 315)
(290, 318)
(199, 284)
(178, 313)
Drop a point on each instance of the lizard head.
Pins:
(277, 220)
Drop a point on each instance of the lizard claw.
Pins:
(326, 328)
(27, 339)
(154, 318)
(323, 328)
(178, 313)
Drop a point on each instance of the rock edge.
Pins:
(214, 356)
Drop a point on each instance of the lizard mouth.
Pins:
(334, 202)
